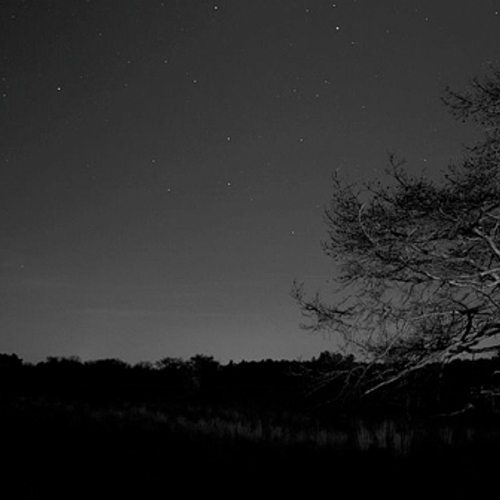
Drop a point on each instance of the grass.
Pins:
(138, 450)
(227, 424)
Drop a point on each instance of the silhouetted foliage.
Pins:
(299, 386)
(106, 422)
(10, 361)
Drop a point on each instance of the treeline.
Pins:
(200, 379)
(329, 382)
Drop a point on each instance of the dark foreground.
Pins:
(72, 450)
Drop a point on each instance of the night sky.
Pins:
(164, 165)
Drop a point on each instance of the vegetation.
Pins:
(418, 298)
(107, 429)
(418, 258)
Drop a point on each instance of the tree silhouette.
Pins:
(418, 259)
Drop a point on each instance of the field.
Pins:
(63, 448)
(104, 429)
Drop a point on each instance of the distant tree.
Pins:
(174, 372)
(418, 259)
(109, 364)
(62, 360)
(108, 370)
(144, 366)
(10, 361)
(204, 370)
(333, 359)
(171, 364)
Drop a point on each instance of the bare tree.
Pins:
(417, 259)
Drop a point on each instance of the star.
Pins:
(133, 139)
